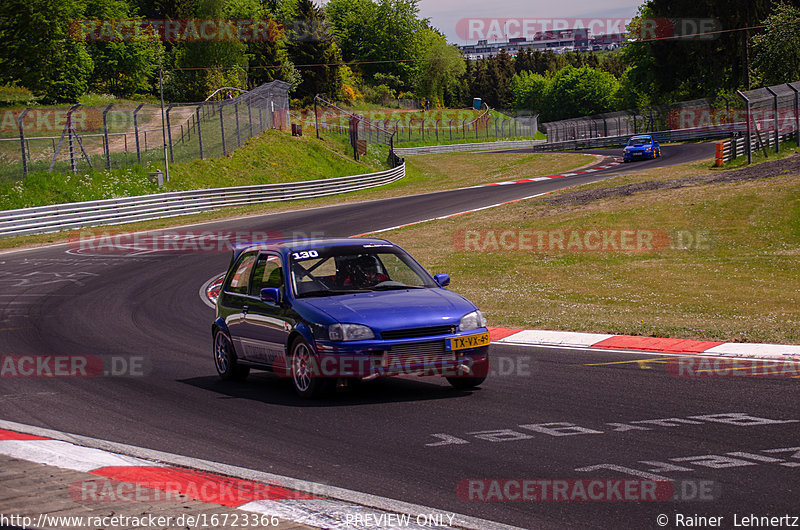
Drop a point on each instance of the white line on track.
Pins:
(324, 513)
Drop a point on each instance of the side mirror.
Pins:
(442, 279)
(271, 295)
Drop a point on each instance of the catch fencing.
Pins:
(80, 137)
(429, 127)
(755, 119)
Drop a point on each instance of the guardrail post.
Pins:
(796, 112)
(775, 118)
(136, 131)
(199, 129)
(169, 133)
(222, 130)
(22, 141)
(106, 146)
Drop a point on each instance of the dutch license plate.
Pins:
(468, 341)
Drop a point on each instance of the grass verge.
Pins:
(426, 173)
(723, 266)
(271, 158)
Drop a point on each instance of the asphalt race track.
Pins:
(616, 415)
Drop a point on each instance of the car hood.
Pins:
(385, 310)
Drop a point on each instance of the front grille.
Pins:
(418, 332)
(408, 355)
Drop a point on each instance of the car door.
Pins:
(267, 326)
(235, 301)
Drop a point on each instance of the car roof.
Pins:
(292, 245)
(643, 137)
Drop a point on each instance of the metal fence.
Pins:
(757, 118)
(79, 137)
(770, 112)
(57, 217)
(683, 115)
(432, 127)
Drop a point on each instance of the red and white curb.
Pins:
(599, 341)
(615, 161)
(309, 503)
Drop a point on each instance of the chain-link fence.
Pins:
(428, 127)
(112, 136)
(699, 113)
(770, 113)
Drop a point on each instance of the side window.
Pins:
(268, 273)
(240, 280)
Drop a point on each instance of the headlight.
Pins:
(350, 332)
(472, 320)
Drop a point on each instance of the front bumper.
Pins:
(423, 356)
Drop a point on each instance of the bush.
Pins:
(16, 96)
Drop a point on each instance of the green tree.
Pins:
(672, 69)
(387, 35)
(776, 51)
(314, 51)
(204, 66)
(267, 56)
(443, 64)
(122, 68)
(575, 92)
(38, 50)
(528, 91)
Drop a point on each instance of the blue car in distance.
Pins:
(641, 147)
(329, 311)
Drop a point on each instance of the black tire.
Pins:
(465, 382)
(304, 367)
(225, 359)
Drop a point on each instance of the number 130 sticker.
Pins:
(307, 254)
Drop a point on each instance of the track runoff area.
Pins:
(560, 434)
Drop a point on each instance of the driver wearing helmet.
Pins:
(364, 272)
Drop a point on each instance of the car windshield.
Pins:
(640, 140)
(354, 269)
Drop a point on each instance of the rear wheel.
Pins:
(306, 376)
(225, 359)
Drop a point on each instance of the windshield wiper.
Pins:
(395, 287)
(316, 294)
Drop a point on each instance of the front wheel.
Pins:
(225, 359)
(465, 382)
(306, 376)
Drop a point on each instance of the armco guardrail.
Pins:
(45, 219)
(735, 147)
(456, 148)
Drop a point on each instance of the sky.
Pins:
(445, 14)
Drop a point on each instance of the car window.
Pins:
(240, 279)
(268, 272)
(399, 271)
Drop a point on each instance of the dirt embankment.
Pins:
(785, 166)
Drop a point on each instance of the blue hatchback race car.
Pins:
(331, 310)
(641, 147)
